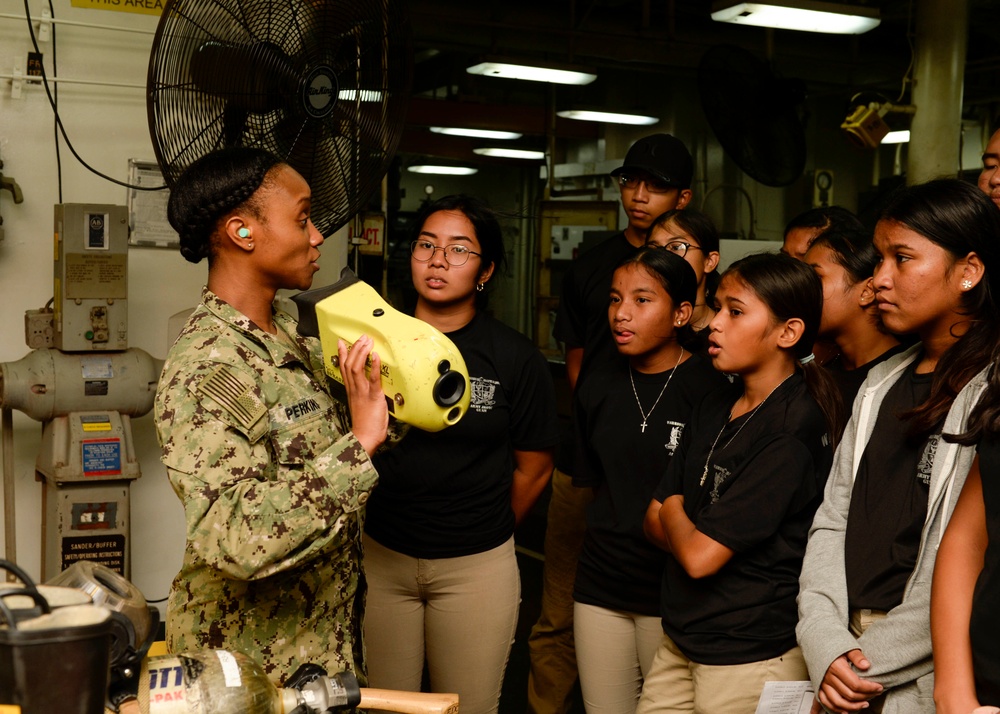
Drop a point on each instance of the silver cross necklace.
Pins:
(704, 474)
(645, 415)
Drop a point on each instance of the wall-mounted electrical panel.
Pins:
(91, 277)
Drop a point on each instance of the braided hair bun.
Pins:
(213, 186)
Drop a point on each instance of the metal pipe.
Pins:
(9, 532)
(938, 75)
(36, 79)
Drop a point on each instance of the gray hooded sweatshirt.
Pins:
(898, 647)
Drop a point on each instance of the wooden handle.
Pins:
(408, 702)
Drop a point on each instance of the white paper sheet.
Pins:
(786, 698)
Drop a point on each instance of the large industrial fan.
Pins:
(323, 84)
(756, 115)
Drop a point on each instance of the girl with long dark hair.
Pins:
(628, 422)
(443, 582)
(734, 507)
(866, 580)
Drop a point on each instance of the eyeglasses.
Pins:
(679, 247)
(457, 255)
(653, 185)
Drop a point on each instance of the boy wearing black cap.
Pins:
(654, 178)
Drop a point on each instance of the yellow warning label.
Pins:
(143, 7)
(95, 426)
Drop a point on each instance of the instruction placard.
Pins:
(108, 550)
(101, 457)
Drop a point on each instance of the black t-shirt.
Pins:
(984, 624)
(764, 483)
(849, 381)
(618, 568)
(889, 501)
(447, 494)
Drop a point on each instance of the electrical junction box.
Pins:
(91, 277)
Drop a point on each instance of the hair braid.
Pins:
(213, 186)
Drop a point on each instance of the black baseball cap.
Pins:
(663, 156)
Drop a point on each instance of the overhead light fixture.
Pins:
(476, 133)
(442, 169)
(806, 15)
(897, 137)
(608, 117)
(506, 153)
(534, 71)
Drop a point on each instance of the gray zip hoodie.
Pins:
(898, 647)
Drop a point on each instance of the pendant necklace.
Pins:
(704, 474)
(645, 415)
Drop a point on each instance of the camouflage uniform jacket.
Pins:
(273, 487)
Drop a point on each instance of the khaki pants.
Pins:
(553, 654)
(614, 651)
(458, 613)
(677, 684)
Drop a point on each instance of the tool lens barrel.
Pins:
(449, 388)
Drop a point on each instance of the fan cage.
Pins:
(321, 84)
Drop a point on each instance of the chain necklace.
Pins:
(646, 415)
(704, 474)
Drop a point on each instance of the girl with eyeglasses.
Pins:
(443, 583)
(692, 236)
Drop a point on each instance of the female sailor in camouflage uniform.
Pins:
(272, 480)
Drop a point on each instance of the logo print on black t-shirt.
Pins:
(483, 393)
(721, 474)
(674, 436)
(927, 459)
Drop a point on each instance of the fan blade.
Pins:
(253, 77)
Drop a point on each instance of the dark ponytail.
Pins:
(791, 289)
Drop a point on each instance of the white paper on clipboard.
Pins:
(147, 210)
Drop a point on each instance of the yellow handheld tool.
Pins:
(424, 377)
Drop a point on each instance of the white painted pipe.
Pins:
(938, 76)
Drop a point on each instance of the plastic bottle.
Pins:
(224, 682)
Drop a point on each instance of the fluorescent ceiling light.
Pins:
(807, 15)
(535, 73)
(510, 153)
(367, 95)
(608, 117)
(897, 137)
(475, 133)
(442, 170)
